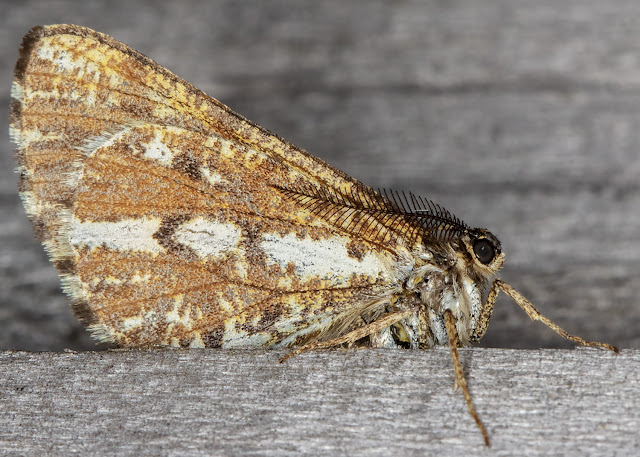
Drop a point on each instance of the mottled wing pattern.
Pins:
(159, 205)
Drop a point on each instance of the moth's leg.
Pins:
(373, 327)
(461, 382)
(487, 311)
(535, 315)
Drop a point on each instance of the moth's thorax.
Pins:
(445, 275)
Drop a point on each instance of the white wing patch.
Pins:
(234, 337)
(208, 238)
(324, 259)
(125, 235)
(61, 59)
(156, 149)
(212, 177)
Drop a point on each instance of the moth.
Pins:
(174, 221)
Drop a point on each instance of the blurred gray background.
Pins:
(522, 117)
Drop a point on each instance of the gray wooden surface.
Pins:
(356, 403)
(519, 116)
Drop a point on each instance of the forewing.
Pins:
(159, 205)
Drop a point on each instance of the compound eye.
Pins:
(484, 250)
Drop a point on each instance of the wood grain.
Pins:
(365, 402)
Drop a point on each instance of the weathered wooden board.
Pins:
(359, 403)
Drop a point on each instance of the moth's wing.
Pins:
(159, 205)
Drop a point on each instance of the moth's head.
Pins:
(485, 255)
